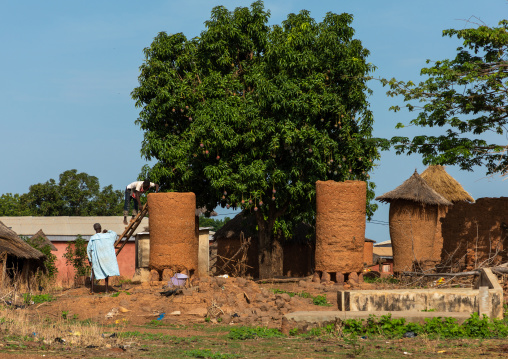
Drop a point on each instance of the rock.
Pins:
(339, 278)
(176, 312)
(303, 284)
(124, 303)
(353, 278)
(154, 275)
(280, 303)
(315, 277)
(286, 297)
(260, 298)
(220, 281)
(325, 277)
(265, 293)
(241, 282)
(360, 278)
(200, 312)
(167, 274)
(284, 328)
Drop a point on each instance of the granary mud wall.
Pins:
(340, 225)
(412, 231)
(474, 234)
(173, 240)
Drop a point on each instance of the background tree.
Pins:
(251, 116)
(467, 96)
(76, 194)
(216, 224)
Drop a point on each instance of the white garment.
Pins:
(138, 186)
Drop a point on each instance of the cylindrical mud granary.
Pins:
(414, 212)
(412, 231)
(173, 240)
(340, 225)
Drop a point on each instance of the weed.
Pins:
(64, 314)
(207, 353)
(320, 300)
(208, 319)
(116, 294)
(242, 333)
(352, 340)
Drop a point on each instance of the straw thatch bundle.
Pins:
(11, 244)
(415, 189)
(444, 184)
(41, 237)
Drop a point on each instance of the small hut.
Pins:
(298, 252)
(41, 240)
(413, 218)
(444, 184)
(17, 258)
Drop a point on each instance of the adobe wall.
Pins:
(226, 248)
(473, 233)
(368, 252)
(412, 232)
(340, 225)
(173, 235)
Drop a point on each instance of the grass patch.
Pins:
(242, 333)
(207, 353)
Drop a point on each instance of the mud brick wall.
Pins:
(340, 225)
(412, 231)
(173, 240)
(474, 232)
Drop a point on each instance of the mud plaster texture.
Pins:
(473, 233)
(340, 225)
(412, 231)
(173, 240)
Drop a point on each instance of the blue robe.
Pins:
(101, 253)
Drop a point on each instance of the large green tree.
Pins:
(75, 194)
(249, 115)
(466, 96)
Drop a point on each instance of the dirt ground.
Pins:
(137, 321)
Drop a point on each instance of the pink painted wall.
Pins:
(126, 263)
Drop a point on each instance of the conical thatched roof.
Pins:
(444, 184)
(10, 243)
(44, 239)
(417, 190)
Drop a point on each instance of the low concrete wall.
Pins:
(486, 298)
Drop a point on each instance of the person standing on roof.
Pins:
(134, 192)
(102, 256)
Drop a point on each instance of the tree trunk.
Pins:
(270, 255)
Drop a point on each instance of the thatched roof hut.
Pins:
(444, 184)
(415, 210)
(415, 189)
(41, 237)
(11, 244)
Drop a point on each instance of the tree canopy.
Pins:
(251, 116)
(467, 96)
(76, 194)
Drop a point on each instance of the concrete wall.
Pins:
(65, 277)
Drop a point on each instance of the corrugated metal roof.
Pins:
(67, 226)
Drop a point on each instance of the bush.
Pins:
(42, 246)
(76, 256)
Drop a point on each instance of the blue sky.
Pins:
(67, 70)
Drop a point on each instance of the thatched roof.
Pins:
(417, 190)
(10, 243)
(44, 239)
(444, 184)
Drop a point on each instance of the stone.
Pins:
(280, 303)
(154, 275)
(339, 278)
(316, 278)
(260, 298)
(220, 281)
(303, 284)
(241, 282)
(167, 274)
(360, 278)
(176, 312)
(284, 328)
(286, 297)
(325, 277)
(124, 303)
(353, 278)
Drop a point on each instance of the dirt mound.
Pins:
(226, 300)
